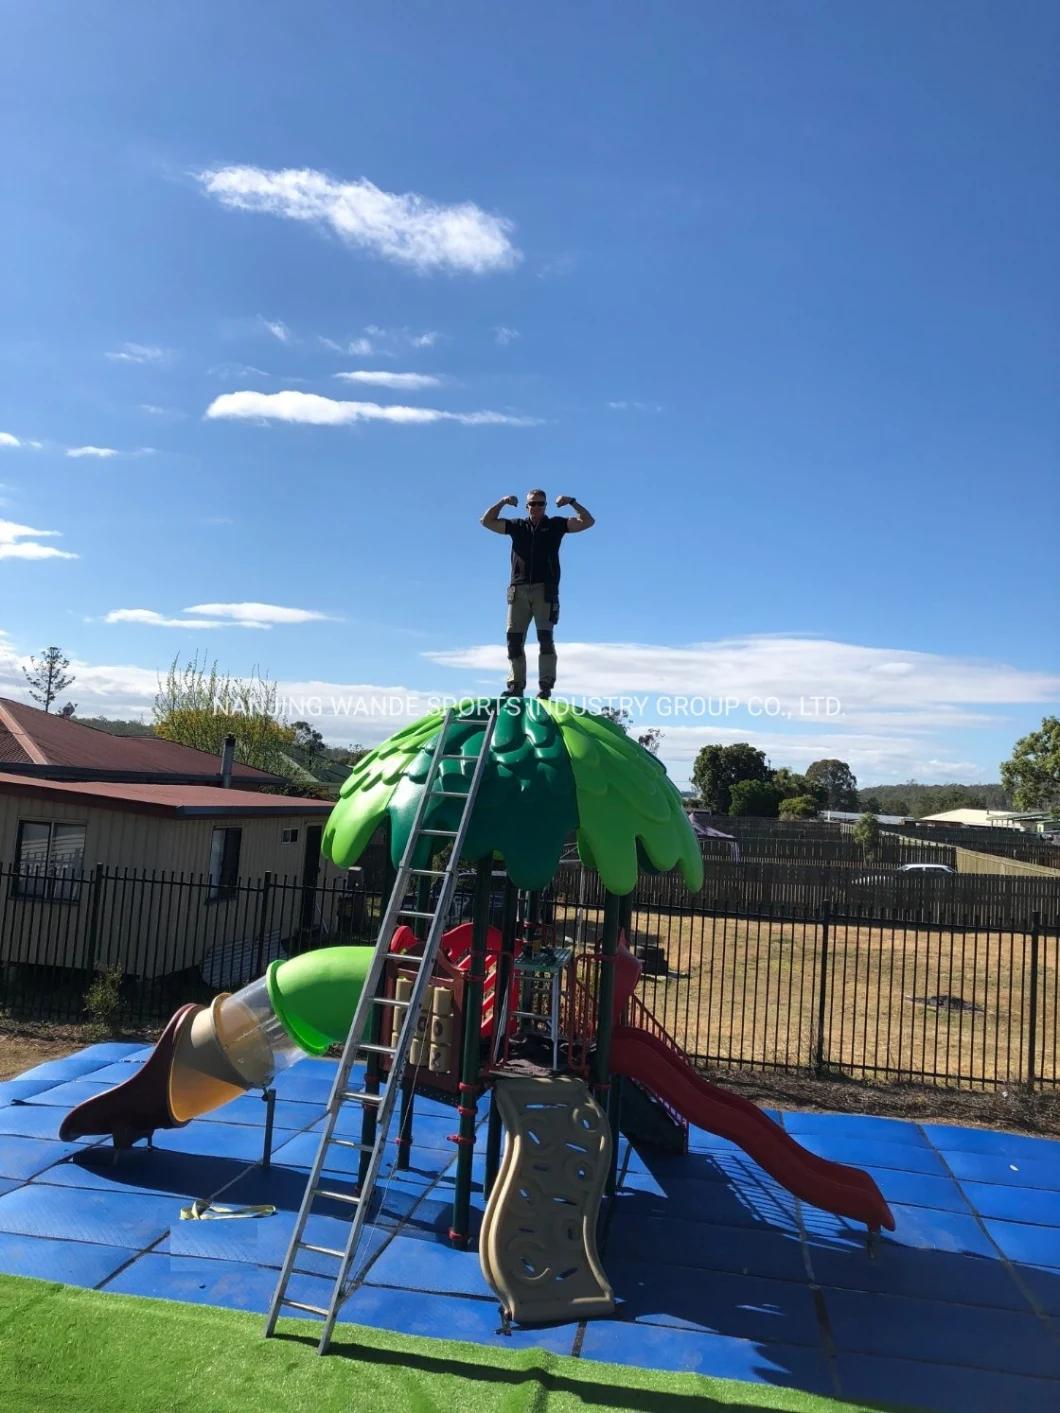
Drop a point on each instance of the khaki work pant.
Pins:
(526, 602)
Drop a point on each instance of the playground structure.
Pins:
(553, 1032)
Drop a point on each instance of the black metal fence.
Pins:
(778, 967)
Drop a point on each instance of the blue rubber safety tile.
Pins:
(721, 1356)
(35, 1120)
(15, 1091)
(925, 1228)
(745, 1307)
(69, 1067)
(9, 1185)
(460, 1317)
(1013, 1146)
(751, 1204)
(197, 1281)
(1043, 1282)
(107, 1051)
(116, 1073)
(238, 1141)
(943, 1387)
(1009, 1172)
(919, 1189)
(263, 1241)
(72, 1262)
(866, 1126)
(1021, 1241)
(430, 1266)
(146, 1170)
(706, 1140)
(698, 1167)
(872, 1153)
(934, 1275)
(123, 1218)
(250, 1110)
(1014, 1204)
(900, 1327)
(309, 1081)
(23, 1157)
(70, 1093)
(694, 1244)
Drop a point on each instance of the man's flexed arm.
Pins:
(492, 518)
(580, 520)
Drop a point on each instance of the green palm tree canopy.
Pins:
(552, 769)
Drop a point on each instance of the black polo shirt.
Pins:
(535, 552)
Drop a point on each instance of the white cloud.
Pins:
(20, 542)
(153, 410)
(104, 453)
(277, 328)
(261, 614)
(408, 381)
(140, 353)
(101, 453)
(237, 370)
(9, 439)
(406, 228)
(503, 335)
(634, 406)
(425, 340)
(312, 409)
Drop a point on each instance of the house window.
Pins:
(224, 862)
(288, 836)
(49, 858)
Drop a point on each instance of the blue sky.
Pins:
(771, 289)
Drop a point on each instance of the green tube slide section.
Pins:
(315, 995)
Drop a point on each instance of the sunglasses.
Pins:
(536, 502)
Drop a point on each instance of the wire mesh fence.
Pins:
(887, 983)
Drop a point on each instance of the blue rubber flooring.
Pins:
(716, 1267)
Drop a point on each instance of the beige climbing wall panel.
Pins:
(538, 1244)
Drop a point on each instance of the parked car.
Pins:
(903, 873)
(926, 870)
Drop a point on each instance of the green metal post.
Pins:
(470, 1065)
(501, 988)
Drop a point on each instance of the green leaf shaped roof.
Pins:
(552, 769)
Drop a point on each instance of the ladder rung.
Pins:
(390, 1001)
(459, 757)
(337, 1196)
(322, 1250)
(411, 912)
(362, 1096)
(372, 1049)
(429, 872)
(349, 1143)
(301, 1305)
(449, 794)
(441, 833)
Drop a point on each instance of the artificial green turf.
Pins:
(76, 1350)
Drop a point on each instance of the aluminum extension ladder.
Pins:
(355, 1047)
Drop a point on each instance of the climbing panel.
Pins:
(538, 1243)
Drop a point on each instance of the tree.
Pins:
(649, 738)
(718, 768)
(838, 780)
(867, 833)
(308, 739)
(871, 805)
(200, 706)
(48, 677)
(798, 807)
(790, 784)
(1031, 775)
(754, 797)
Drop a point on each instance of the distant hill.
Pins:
(918, 800)
(116, 728)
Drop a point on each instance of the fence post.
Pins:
(263, 916)
(1032, 1023)
(92, 944)
(819, 1058)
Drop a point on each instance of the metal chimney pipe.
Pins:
(228, 755)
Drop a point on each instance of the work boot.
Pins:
(544, 694)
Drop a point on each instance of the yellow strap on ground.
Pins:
(202, 1210)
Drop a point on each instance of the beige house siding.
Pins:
(147, 926)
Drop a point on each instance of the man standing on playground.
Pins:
(534, 588)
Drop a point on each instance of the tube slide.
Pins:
(660, 1067)
(208, 1055)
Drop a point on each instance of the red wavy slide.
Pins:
(662, 1068)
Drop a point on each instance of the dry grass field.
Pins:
(923, 1004)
